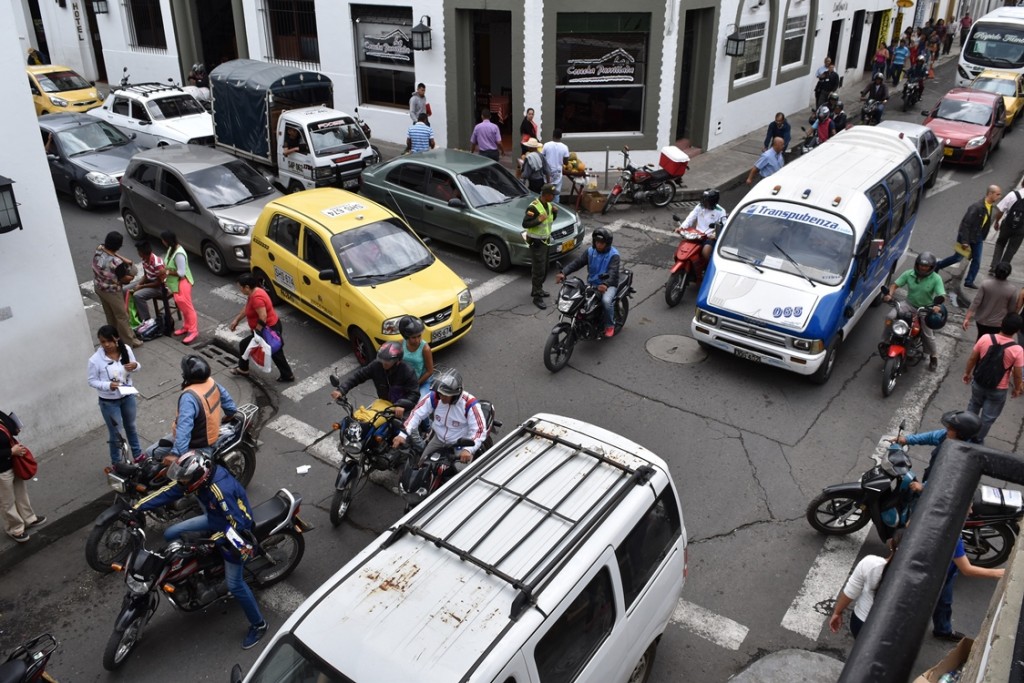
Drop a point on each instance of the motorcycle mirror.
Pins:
(676, 218)
(335, 382)
(903, 425)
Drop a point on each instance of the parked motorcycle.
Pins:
(191, 574)
(871, 113)
(131, 481)
(27, 663)
(647, 184)
(903, 348)
(377, 156)
(911, 93)
(579, 308)
(992, 526)
(689, 262)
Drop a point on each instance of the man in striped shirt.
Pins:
(420, 136)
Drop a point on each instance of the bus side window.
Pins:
(898, 188)
(861, 259)
(879, 198)
(913, 172)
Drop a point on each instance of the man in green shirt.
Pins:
(924, 289)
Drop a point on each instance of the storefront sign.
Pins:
(391, 47)
(617, 66)
(883, 31)
(840, 7)
(78, 20)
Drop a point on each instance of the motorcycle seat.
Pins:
(269, 514)
(625, 280)
(228, 432)
(660, 175)
(13, 671)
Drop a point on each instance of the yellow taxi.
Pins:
(60, 89)
(1006, 83)
(357, 268)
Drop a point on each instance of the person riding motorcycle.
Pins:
(839, 117)
(198, 77)
(705, 218)
(453, 414)
(202, 406)
(958, 424)
(393, 379)
(919, 73)
(924, 290)
(877, 91)
(225, 515)
(822, 124)
(600, 259)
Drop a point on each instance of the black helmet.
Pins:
(194, 370)
(390, 351)
(191, 470)
(964, 423)
(838, 106)
(925, 259)
(601, 234)
(410, 326)
(833, 96)
(936, 321)
(709, 199)
(878, 76)
(449, 383)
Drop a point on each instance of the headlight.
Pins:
(975, 142)
(233, 227)
(963, 73)
(136, 585)
(900, 328)
(97, 178)
(58, 102)
(707, 318)
(325, 172)
(809, 345)
(465, 299)
(564, 305)
(390, 326)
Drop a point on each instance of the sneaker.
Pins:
(254, 635)
(20, 538)
(178, 333)
(952, 636)
(933, 364)
(609, 331)
(40, 520)
(190, 338)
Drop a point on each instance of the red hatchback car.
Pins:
(969, 124)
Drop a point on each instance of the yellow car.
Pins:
(59, 89)
(356, 267)
(1006, 83)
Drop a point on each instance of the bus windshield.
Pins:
(999, 46)
(806, 242)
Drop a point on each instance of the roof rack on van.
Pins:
(147, 89)
(533, 580)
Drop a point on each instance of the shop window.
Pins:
(291, 31)
(601, 72)
(386, 62)
(146, 24)
(793, 40)
(749, 63)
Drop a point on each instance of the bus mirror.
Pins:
(876, 248)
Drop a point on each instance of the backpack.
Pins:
(1013, 221)
(991, 369)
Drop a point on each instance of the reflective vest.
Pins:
(206, 427)
(172, 280)
(541, 231)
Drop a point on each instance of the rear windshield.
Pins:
(292, 662)
(174, 107)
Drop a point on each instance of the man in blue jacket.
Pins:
(602, 258)
(957, 424)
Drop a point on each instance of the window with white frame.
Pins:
(793, 40)
(291, 31)
(145, 24)
(749, 63)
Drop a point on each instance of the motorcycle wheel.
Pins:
(282, 553)
(107, 544)
(612, 199)
(663, 194)
(890, 371)
(621, 313)
(836, 514)
(988, 546)
(241, 463)
(121, 643)
(557, 350)
(340, 502)
(676, 287)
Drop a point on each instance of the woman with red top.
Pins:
(259, 313)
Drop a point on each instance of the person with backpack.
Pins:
(993, 360)
(1010, 226)
(453, 413)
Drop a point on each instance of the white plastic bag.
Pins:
(258, 352)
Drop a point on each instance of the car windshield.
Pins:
(91, 137)
(173, 107)
(337, 135)
(490, 184)
(966, 112)
(801, 240)
(380, 252)
(228, 184)
(61, 81)
(1000, 86)
(290, 661)
(997, 46)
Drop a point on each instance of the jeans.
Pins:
(608, 304)
(942, 617)
(896, 72)
(234, 575)
(972, 271)
(855, 624)
(1007, 244)
(986, 404)
(120, 412)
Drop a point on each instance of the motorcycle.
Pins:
(190, 575)
(689, 262)
(27, 663)
(419, 482)
(903, 348)
(992, 526)
(810, 142)
(911, 93)
(647, 184)
(871, 113)
(377, 157)
(108, 541)
(580, 311)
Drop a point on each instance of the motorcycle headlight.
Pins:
(564, 305)
(97, 178)
(136, 585)
(117, 483)
(975, 142)
(325, 172)
(233, 227)
(58, 102)
(465, 299)
(390, 326)
(900, 328)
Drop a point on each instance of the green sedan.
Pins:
(469, 201)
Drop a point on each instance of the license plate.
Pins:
(568, 245)
(747, 355)
(948, 152)
(350, 183)
(440, 334)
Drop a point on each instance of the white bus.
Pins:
(995, 41)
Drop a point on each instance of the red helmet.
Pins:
(191, 470)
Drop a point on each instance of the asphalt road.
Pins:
(748, 447)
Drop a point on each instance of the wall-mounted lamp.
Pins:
(421, 34)
(99, 7)
(735, 46)
(9, 218)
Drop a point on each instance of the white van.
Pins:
(559, 556)
(995, 41)
(806, 252)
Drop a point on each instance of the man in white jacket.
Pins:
(454, 414)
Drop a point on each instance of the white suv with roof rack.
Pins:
(157, 114)
(558, 555)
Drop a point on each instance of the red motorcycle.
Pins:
(903, 347)
(27, 664)
(648, 184)
(690, 264)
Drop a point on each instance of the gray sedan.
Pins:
(927, 145)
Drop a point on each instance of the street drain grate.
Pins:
(218, 355)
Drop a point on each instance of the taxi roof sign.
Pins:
(342, 209)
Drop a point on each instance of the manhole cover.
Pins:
(675, 348)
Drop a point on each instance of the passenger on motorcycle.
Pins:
(958, 424)
(705, 219)
(202, 406)
(918, 72)
(225, 517)
(394, 380)
(839, 117)
(822, 124)
(600, 259)
(453, 414)
(924, 289)
(877, 91)
(416, 352)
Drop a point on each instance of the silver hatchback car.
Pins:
(209, 199)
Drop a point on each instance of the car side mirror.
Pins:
(52, 157)
(876, 248)
(236, 674)
(456, 203)
(925, 113)
(143, 122)
(183, 206)
(131, 136)
(329, 274)
(926, 162)
(1001, 123)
